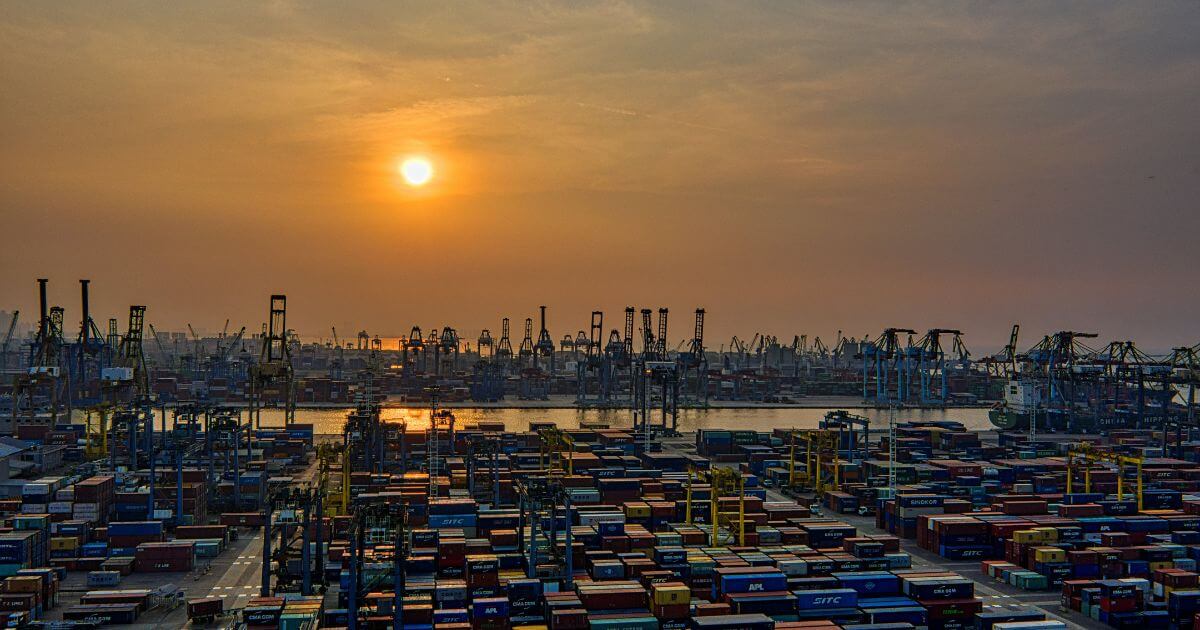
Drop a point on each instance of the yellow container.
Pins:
(23, 584)
(1049, 534)
(1050, 554)
(671, 593)
(68, 543)
(1027, 536)
(637, 510)
(1155, 566)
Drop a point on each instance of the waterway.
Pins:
(330, 421)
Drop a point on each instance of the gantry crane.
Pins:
(722, 483)
(694, 366)
(375, 523)
(484, 449)
(287, 510)
(542, 498)
(525, 352)
(45, 383)
(883, 358)
(931, 365)
(274, 367)
(129, 373)
(544, 346)
(816, 447)
(594, 371)
(552, 445)
(1091, 455)
(1182, 379)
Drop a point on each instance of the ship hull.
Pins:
(1008, 420)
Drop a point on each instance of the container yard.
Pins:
(476, 526)
(127, 506)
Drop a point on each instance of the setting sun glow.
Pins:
(417, 171)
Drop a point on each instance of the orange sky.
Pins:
(793, 168)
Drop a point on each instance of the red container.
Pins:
(191, 532)
(676, 611)
(569, 619)
(1118, 604)
(247, 519)
(205, 607)
(139, 599)
(618, 598)
(1025, 507)
(163, 565)
(952, 608)
(18, 601)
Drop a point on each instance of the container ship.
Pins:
(1086, 412)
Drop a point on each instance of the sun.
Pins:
(417, 171)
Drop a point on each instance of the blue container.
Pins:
(919, 500)
(1119, 508)
(1077, 498)
(915, 615)
(941, 588)
(455, 615)
(827, 599)
(490, 608)
(965, 552)
(867, 603)
(1148, 524)
(669, 555)
(611, 528)
(135, 528)
(94, 550)
(989, 617)
(613, 570)
(753, 582)
(812, 583)
(1085, 571)
(1183, 603)
(443, 521)
(872, 584)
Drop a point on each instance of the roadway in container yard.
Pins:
(235, 576)
(992, 592)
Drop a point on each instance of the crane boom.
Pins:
(12, 327)
(237, 338)
(158, 342)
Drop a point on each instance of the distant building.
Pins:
(11, 451)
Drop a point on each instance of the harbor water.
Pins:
(329, 421)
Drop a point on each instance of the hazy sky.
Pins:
(792, 167)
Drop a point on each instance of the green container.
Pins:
(624, 623)
(1030, 581)
(208, 548)
(296, 621)
(9, 570)
(29, 522)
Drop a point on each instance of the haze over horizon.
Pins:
(792, 168)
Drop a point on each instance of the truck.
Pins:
(206, 610)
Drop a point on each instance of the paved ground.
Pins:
(235, 576)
